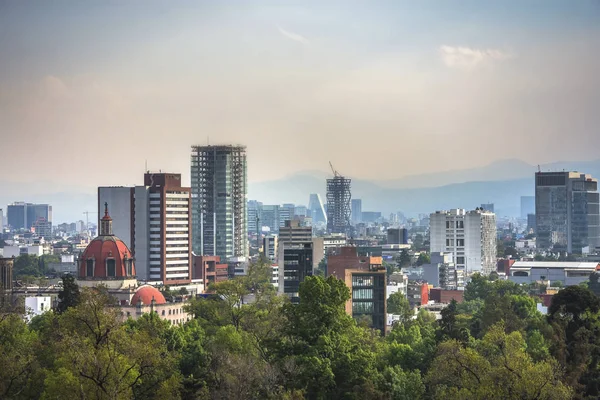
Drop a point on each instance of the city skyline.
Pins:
(397, 72)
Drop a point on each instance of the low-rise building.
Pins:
(417, 293)
(37, 305)
(566, 272)
(209, 269)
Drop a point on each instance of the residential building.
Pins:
(469, 235)
(567, 210)
(209, 269)
(356, 211)
(445, 296)
(417, 293)
(219, 213)
(397, 236)
(338, 204)
(568, 273)
(295, 264)
(365, 276)
(153, 220)
(316, 209)
(441, 272)
(294, 233)
(527, 206)
(270, 247)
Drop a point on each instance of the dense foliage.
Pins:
(245, 342)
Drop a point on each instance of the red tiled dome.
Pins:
(106, 256)
(146, 294)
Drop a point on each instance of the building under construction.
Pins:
(338, 203)
(219, 209)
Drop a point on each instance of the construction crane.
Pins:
(335, 173)
(87, 220)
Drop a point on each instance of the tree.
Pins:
(594, 283)
(496, 367)
(403, 260)
(27, 265)
(477, 288)
(69, 295)
(398, 304)
(424, 258)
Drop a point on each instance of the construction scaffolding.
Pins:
(339, 200)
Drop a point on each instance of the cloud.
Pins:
(468, 58)
(293, 36)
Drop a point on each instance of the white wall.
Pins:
(37, 306)
(119, 209)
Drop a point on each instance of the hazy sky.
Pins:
(90, 90)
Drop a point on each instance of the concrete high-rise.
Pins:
(24, 215)
(1, 220)
(338, 204)
(469, 235)
(356, 211)
(219, 213)
(153, 220)
(567, 211)
(316, 209)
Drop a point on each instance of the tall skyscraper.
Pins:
(316, 208)
(219, 214)
(338, 204)
(469, 235)
(356, 211)
(567, 211)
(153, 220)
(24, 215)
(527, 206)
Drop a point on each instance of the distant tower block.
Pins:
(339, 206)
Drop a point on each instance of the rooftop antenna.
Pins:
(539, 168)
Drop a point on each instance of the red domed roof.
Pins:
(99, 255)
(146, 294)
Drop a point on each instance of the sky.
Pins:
(91, 92)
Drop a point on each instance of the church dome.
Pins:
(106, 256)
(145, 294)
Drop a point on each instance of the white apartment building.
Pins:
(469, 235)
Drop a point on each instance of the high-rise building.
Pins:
(397, 236)
(301, 211)
(338, 204)
(1, 220)
(356, 211)
(365, 276)
(254, 216)
(527, 206)
(295, 264)
(219, 214)
(567, 211)
(286, 213)
(23, 215)
(469, 235)
(488, 207)
(270, 247)
(316, 209)
(153, 220)
(294, 233)
(270, 218)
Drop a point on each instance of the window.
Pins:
(89, 267)
(128, 266)
(358, 281)
(362, 294)
(111, 267)
(460, 260)
(460, 242)
(362, 307)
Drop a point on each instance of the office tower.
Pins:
(1, 220)
(316, 208)
(488, 207)
(527, 206)
(270, 247)
(23, 215)
(270, 218)
(356, 211)
(338, 204)
(254, 216)
(295, 233)
(301, 211)
(397, 236)
(286, 213)
(469, 235)
(567, 211)
(365, 276)
(153, 220)
(219, 214)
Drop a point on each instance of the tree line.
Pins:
(494, 345)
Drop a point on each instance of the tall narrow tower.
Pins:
(338, 203)
(219, 204)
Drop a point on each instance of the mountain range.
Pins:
(502, 183)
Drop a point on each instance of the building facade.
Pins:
(254, 216)
(365, 276)
(295, 264)
(567, 210)
(316, 209)
(356, 211)
(568, 273)
(270, 247)
(397, 236)
(210, 269)
(527, 206)
(470, 236)
(23, 215)
(219, 214)
(338, 204)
